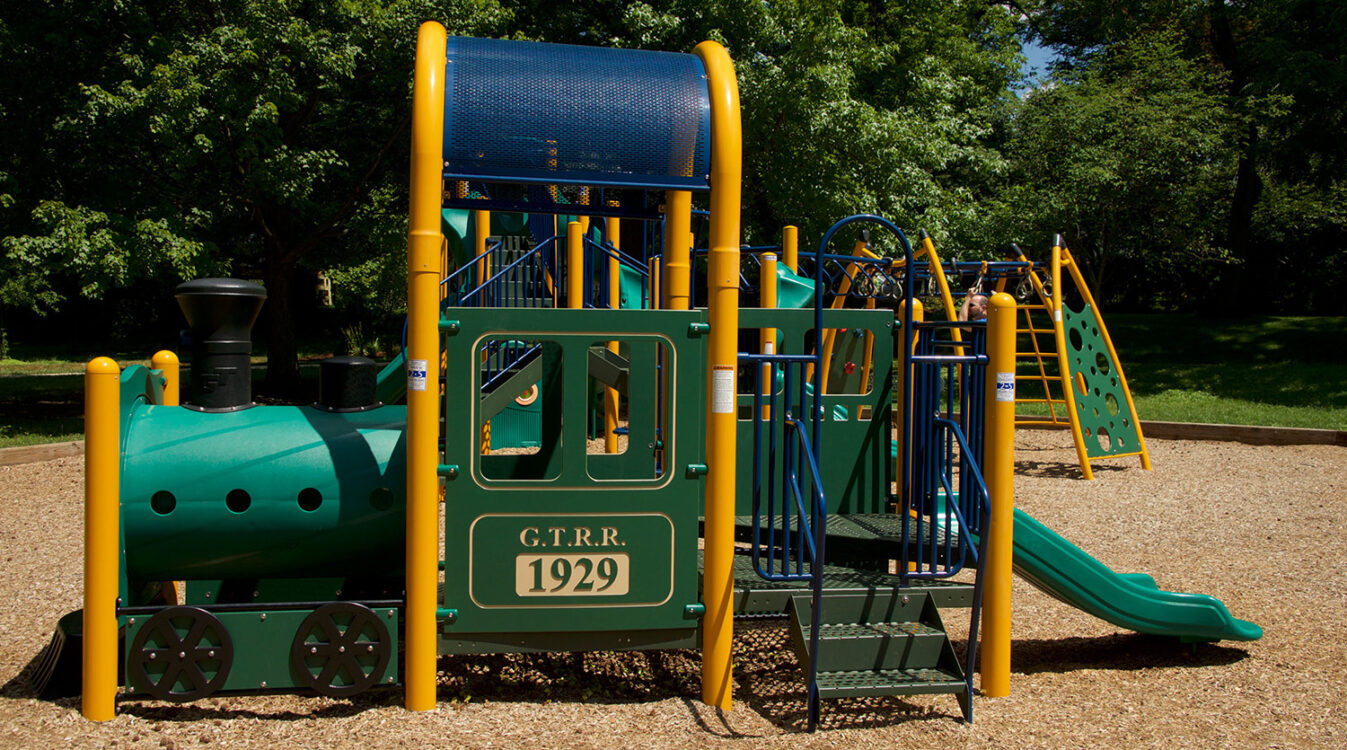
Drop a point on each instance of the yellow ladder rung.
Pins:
(1114, 455)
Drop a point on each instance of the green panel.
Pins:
(627, 521)
(262, 642)
(1102, 404)
(856, 460)
(316, 485)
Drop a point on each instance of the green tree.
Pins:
(177, 138)
(1126, 155)
(1285, 85)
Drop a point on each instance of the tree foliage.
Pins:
(1189, 149)
(179, 138)
(1125, 155)
(1284, 87)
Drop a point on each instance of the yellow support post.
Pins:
(998, 465)
(612, 229)
(423, 347)
(790, 247)
(575, 265)
(767, 336)
(102, 533)
(677, 250)
(1063, 361)
(722, 354)
(481, 229)
(584, 201)
(166, 362)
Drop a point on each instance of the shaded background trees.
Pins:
(1190, 151)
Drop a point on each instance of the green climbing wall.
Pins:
(1096, 383)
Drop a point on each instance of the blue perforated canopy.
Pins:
(555, 113)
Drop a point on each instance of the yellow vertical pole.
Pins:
(677, 250)
(767, 337)
(423, 348)
(998, 465)
(481, 229)
(575, 265)
(722, 358)
(612, 229)
(102, 459)
(790, 247)
(584, 201)
(1063, 361)
(166, 362)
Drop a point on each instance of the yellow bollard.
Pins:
(998, 467)
(166, 362)
(102, 459)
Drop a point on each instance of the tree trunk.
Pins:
(279, 335)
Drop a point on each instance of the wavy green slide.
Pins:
(1130, 600)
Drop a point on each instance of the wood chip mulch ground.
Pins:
(1260, 527)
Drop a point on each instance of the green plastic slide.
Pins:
(1128, 600)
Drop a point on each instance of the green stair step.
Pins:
(878, 643)
(870, 683)
(850, 647)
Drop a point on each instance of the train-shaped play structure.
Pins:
(585, 445)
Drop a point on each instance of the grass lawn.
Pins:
(1282, 371)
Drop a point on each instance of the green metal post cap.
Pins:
(451, 326)
(448, 471)
(693, 611)
(698, 329)
(695, 470)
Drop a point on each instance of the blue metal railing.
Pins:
(943, 505)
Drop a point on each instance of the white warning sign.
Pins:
(722, 390)
(1005, 386)
(416, 374)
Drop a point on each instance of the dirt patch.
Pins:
(1260, 527)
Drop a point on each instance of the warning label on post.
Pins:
(1005, 386)
(722, 390)
(416, 375)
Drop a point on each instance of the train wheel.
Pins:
(340, 649)
(180, 654)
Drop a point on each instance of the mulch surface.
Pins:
(1260, 527)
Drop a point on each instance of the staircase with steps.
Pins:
(879, 644)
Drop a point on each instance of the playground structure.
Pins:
(681, 466)
(1065, 356)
